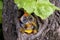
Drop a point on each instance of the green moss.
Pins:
(42, 8)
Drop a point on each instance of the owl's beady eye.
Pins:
(30, 18)
(24, 19)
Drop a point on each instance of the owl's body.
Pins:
(28, 24)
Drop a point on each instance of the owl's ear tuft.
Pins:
(20, 12)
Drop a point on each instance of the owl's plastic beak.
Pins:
(28, 31)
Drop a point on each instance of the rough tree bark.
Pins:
(49, 29)
(9, 27)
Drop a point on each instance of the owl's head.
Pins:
(26, 18)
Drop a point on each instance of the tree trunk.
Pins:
(49, 29)
(9, 26)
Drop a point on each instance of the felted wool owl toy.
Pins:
(28, 24)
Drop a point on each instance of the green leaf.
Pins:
(28, 5)
(42, 8)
